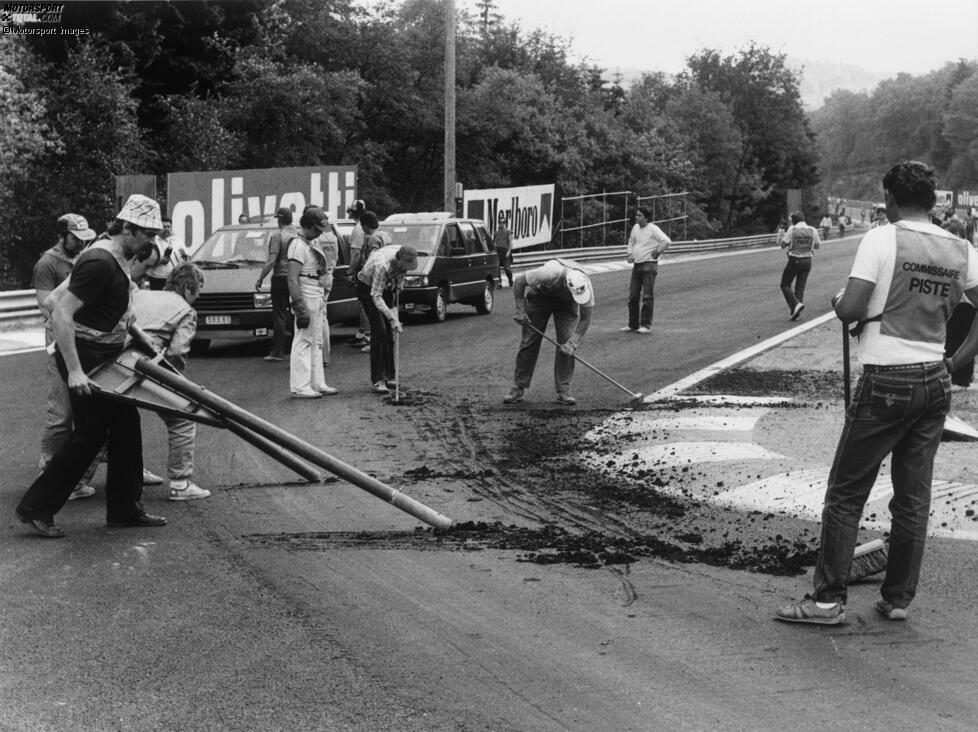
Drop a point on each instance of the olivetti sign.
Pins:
(201, 203)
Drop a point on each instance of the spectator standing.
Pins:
(646, 243)
(557, 288)
(843, 220)
(307, 263)
(879, 216)
(170, 251)
(278, 265)
(91, 322)
(799, 242)
(377, 286)
(51, 270)
(361, 339)
(502, 240)
(168, 316)
(826, 226)
(901, 399)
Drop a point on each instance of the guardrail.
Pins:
(20, 306)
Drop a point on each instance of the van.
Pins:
(457, 262)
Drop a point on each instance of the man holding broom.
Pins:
(557, 288)
(906, 279)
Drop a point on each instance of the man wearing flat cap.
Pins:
(92, 321)
(278, 265)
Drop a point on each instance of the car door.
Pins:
(471, 281)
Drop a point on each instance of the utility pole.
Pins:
(449, 197)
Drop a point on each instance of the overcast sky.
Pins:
(657, 35)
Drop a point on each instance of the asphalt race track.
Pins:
(569, 599)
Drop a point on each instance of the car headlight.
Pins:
(416, 281)
(263, 299)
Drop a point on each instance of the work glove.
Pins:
(396, 325)
(568, 347)
(301, 310)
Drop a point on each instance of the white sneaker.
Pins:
(626, 329)
(380, 388)
(186, 490)
(151, 478)
(327, 390)
(643, 330)
(84, 490)
(306, 394)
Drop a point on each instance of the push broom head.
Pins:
(868, 559)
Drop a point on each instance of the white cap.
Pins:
(141, 211)
(579, 285)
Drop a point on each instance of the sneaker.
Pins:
(644, 329)
(391, 384)
(960, 387)
(365, 349)
(151, 478)
(47, 529)
(327, 390)
(186, 490)
(627, 329)
(807, 611)
(274, 357)
(515, 395)
(566, 399)
(889, 612)
(306, 394)
(84, 490)
(380, 388)
(797, 310)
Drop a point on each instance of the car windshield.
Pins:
(233, 248)
(423, 237)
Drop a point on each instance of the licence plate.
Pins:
(408, 306)
(217, 320)
(261, 331)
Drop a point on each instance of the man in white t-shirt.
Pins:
(905, 281)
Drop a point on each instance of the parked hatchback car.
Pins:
(229, 308)
(456, 262)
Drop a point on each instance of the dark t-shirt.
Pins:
(99, 282)
(51, 270)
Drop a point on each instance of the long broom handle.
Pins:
(595, 369)
(313, 454)
(846, 374)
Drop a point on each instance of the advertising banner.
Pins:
(201, 203)
(528, 211)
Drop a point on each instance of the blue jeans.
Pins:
(538, 312)
(897, 411)
(796, 270)
(641, 289)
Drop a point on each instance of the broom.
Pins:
(869, 558)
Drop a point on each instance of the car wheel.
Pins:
(484, 306)
(199, 346)
(439, 308)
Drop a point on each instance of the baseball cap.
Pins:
(315, 218)
(284, 215)
(141, 211)
(579, 286)
(74, 224)
(357, 206)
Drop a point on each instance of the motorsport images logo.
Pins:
(21, 13)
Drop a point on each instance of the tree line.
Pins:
(933, 118)
(158, 87)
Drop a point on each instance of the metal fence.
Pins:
(19, 307)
